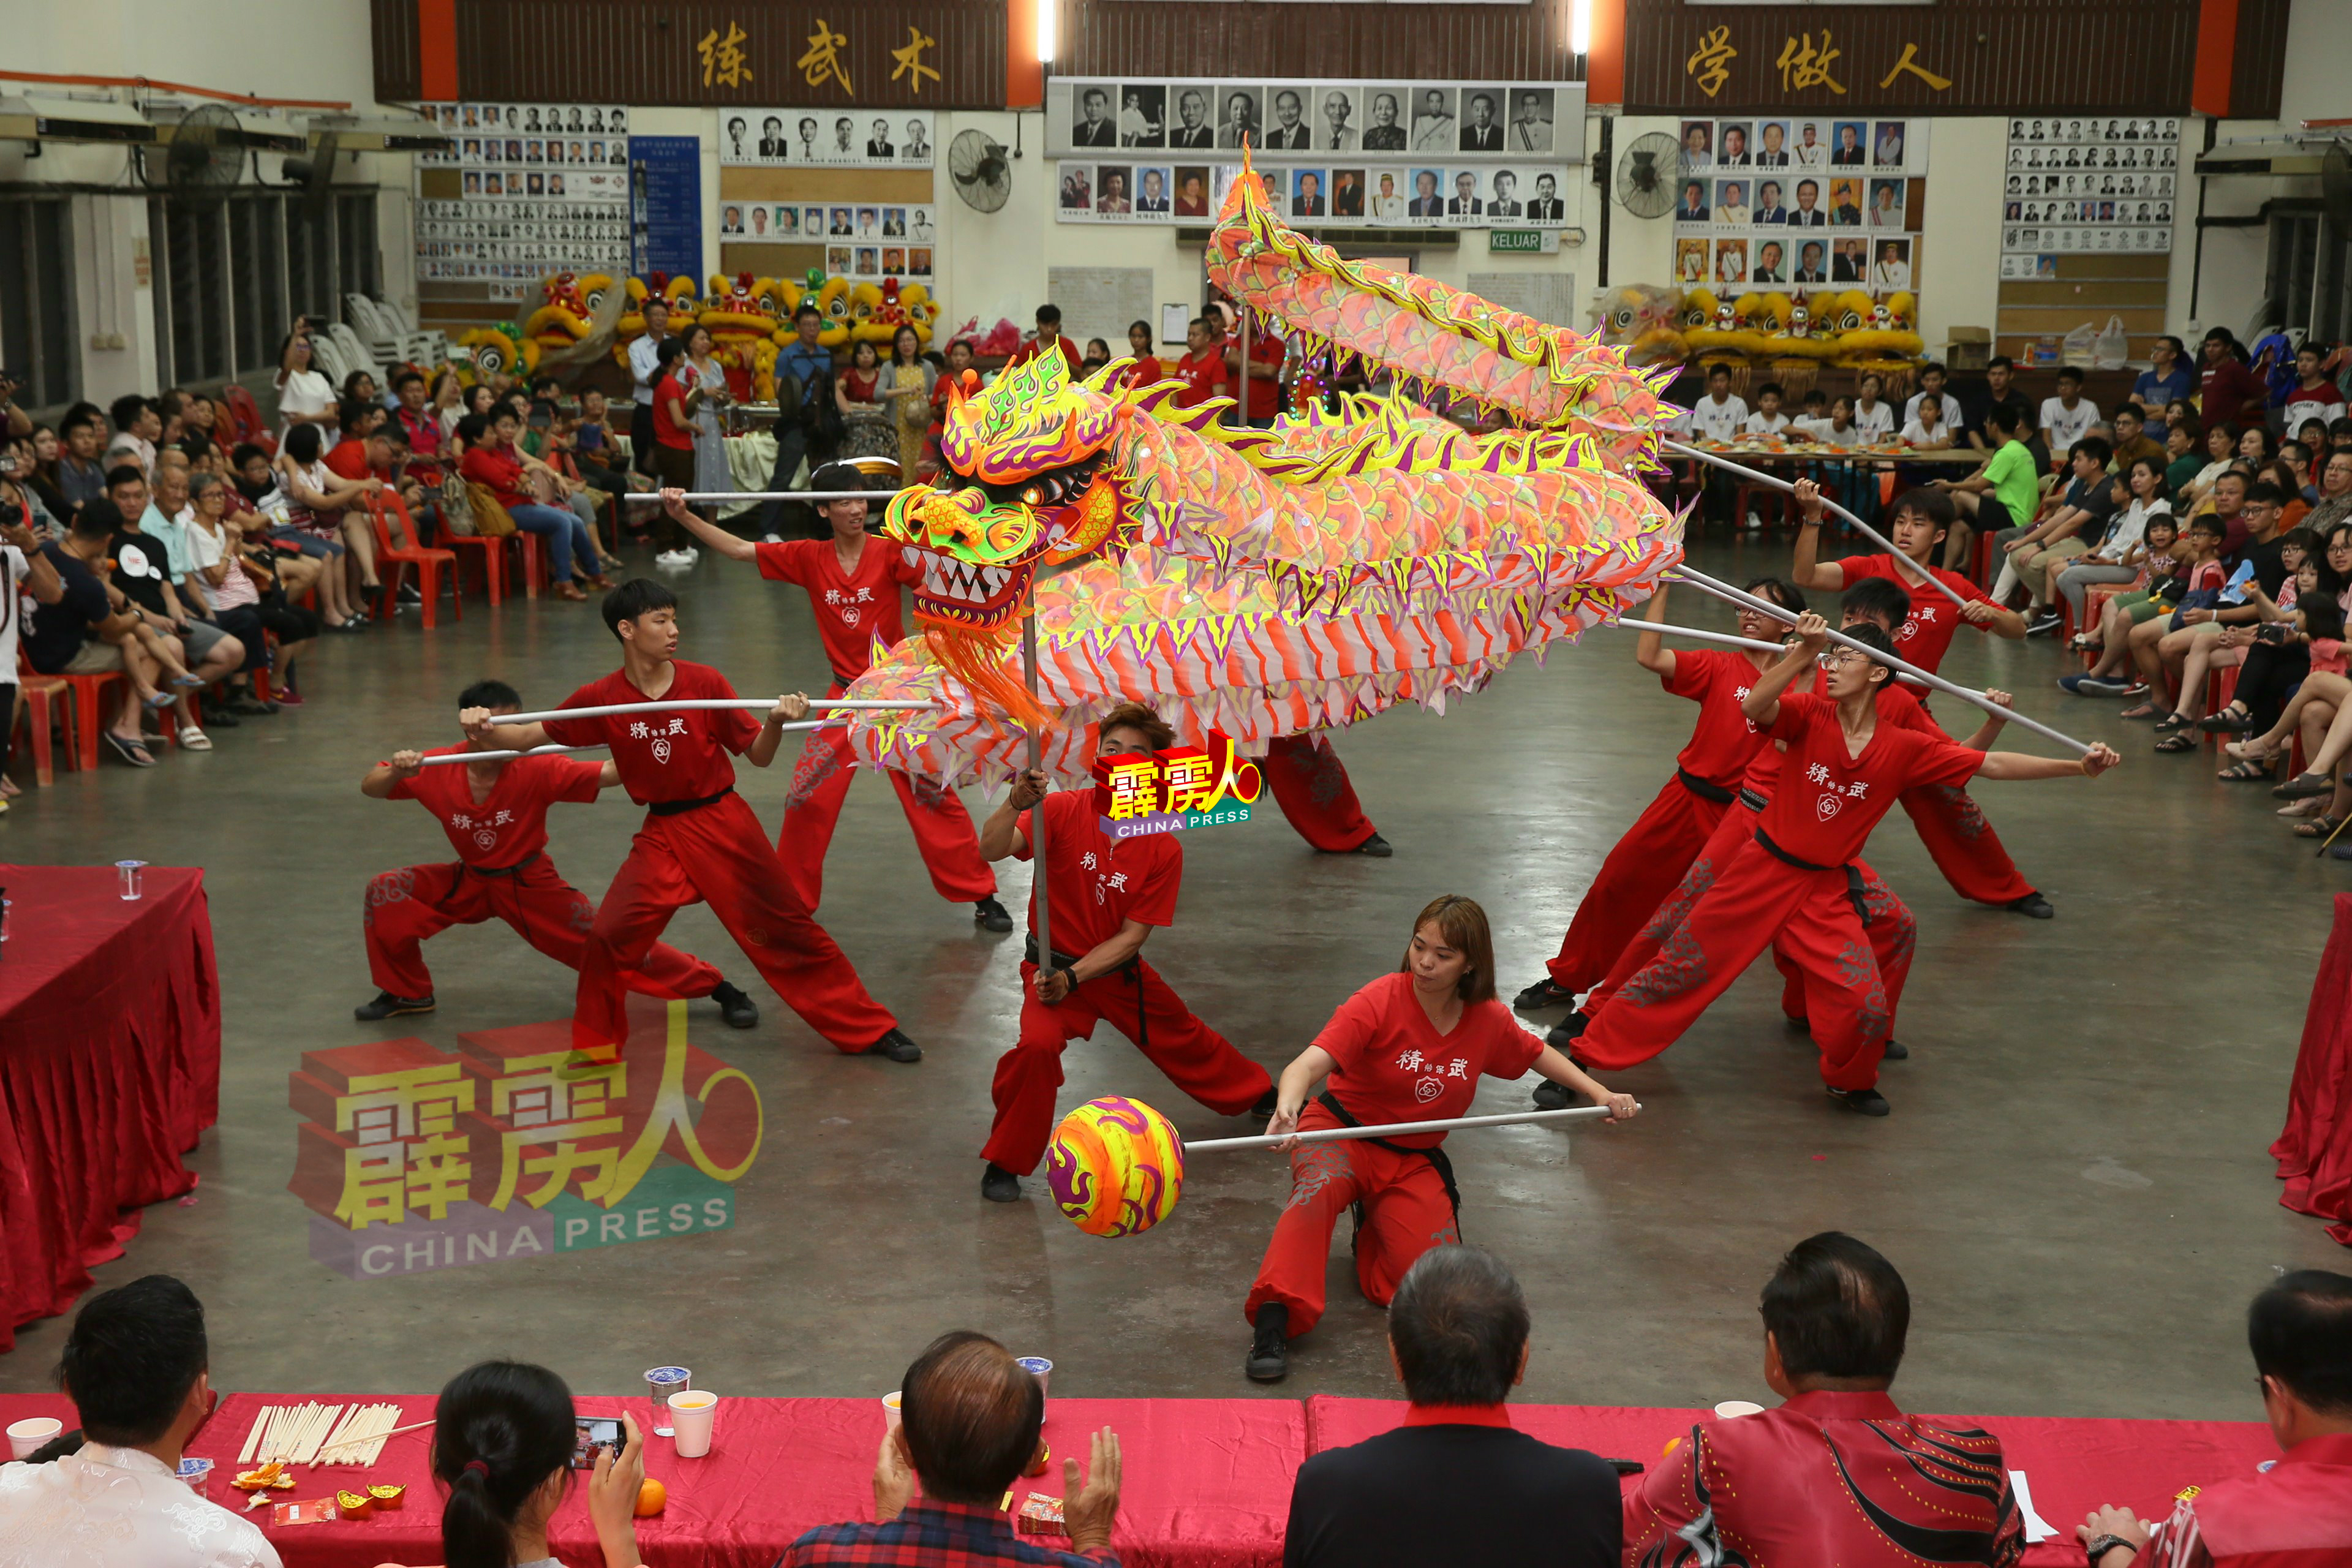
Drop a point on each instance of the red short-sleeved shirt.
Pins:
(851, 611)
(1029, 349)
(667, 431)
(1934, 618)
(1146, 371)
(1096, 883)
(1723, 740)
(1897, 705)
(663, 756)
(1828, 802)
(498, 470)
(1203, 376)
(511, 825)
(1267, 350)
(1395, 1067)
(348, 461)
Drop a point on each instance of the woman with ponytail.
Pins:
(503, 1437)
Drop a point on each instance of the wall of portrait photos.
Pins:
(1507, 195)
(867, 240)
(1801, 201)
(2086, 185)
(829, 138)
(1425, 123)
(537, 188)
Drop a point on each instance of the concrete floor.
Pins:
(2073, 1181)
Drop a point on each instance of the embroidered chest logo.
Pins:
(1432, 1073)
(641, 730)
(1106, 880)
(846, 603)
(1833, 799)
(485, 829)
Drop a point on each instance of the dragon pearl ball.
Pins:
(1116, 1166)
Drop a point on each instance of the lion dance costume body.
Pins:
(1267, 583)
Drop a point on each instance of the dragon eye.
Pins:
(1033, 496)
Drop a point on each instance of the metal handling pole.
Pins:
(1394, 1129)
(1039, 904)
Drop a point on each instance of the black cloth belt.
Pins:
(1434, 1154)
(502, 870)
(1132, 969)
(679, 807)
(1852, 874)
(1701, 788)
(1753, 801)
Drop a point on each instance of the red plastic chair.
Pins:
(427, 561)
(246, 416)
(36, 693)
(82, 715)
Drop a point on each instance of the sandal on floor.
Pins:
(2228, 722)
(2251, 751)
(2302, 785)
(2171, 722)
(2250, 770)
(2318, 828)
(2313, 807)
(2145, 711)
(161, 700)
(195, 740)
(130, 752)
(2179, 740)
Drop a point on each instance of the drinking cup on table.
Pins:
(890, 1411)
(25, 1436)
(1731, 1407)
(1038, 1367)
(134, 878)
(661, 1382)
(691, 1414)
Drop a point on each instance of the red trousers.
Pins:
(1966, 848)
(1199, 1060)
(942, 826)
(1893, 933)
(719, 854)
(1310, 783)
(1406, 1212)
(406, 906)
(1636, 878)
(1757, 902)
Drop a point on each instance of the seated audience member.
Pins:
(1838, 1473)
(2295, 1512)
(502, 1437)
(135, 1367)
(374, 447)
(969, 1418)
(91, 628)
(2164, 566)
(2073, 521)
(2138, 494)
(2334, 503)
(534, 495)
(2069, 416)
(81, 469)
(2131, 439)
(229, 587)
(2183, 456)
(1455, 1482)
(137, 423)
(47, 451)
(143, 560)
(2220, 456)
(322, 516)
(2002, 496)
(422, 423)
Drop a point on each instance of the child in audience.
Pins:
(1767, 419)
(2204, 578)
(1873, 415)
(2159, 556)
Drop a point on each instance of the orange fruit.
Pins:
(651, 1498)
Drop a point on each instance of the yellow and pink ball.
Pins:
(1116, 1166)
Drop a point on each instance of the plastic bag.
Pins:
(2079, 345)
(2113, 349)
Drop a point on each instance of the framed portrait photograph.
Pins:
(1690, 261)
(1288, 128)
(1434, 122)
(1771, 150)
(1849, 143)
(1427, 200)
(1731, 262)
(1142, 114)
(1114, 190)
(1888, 140)
(1094, 121)
(1239, 117)
(1731, 148)
(1481, 128)
(1387, 117)
(1153, 184)
(1530, 127)
(1336, 113)
(1193, 120)
(1771, 262)
(1731, 202)
(1309, 192)
(1192, 187)
(1698, 144)
(1077, 193)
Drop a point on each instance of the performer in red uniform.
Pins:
(701, 842)
(1966, 848)
(1795, 881)
(496, 817)
(1310, 783)
(1410, 1047)
(1103, 896)
(852, 581)
(1838, 1473)
(1893, 931)
(1657, 849)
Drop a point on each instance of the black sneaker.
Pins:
(218, 718)
(409, 593)
(999, 1185)
(1567, 1032)
(1895, 1051)
(1862, 1101)
(1544, 993)
(991, 915)
(1550, 1096)
(1377, 847)
(387, 1006)
(2042, 625)
(740, 1011)
(1266, 1105)
(897, 1047)
(1269, 1357)
(2033, 905)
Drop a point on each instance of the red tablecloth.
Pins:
(2072, 1465)
(110, 1070)
(1207, 1480)
(2315, 1148)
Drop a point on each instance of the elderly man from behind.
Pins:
(1837, 1474)
(1455, 1483)
(2297, 1510)
(135, 1369)
(968, 1421)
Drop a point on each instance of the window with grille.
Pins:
(37, 302)
(231, 274)
(2310, 271)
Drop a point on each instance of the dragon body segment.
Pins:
(1266, 582)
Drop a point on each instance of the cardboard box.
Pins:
(1968, 348)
